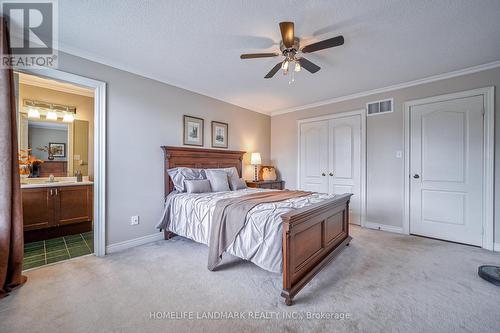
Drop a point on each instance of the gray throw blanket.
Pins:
(230, 215)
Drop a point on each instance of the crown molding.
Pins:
(91, 57)
(444, 76)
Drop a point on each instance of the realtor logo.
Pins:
(33, 33)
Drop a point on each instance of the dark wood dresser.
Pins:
(272, 184)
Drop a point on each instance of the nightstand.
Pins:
(273, 184)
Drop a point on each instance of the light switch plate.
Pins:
(399, 154)
(134, 220)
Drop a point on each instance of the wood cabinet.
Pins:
(38, 208)
(46, 207)
(271, 184)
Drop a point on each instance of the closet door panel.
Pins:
(345, 161)
(314, 148)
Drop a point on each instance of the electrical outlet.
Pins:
(134, 220)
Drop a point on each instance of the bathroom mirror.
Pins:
(62, 146)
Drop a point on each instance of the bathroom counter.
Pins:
(58, 182)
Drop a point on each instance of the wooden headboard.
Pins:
(199, 158)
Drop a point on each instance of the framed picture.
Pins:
(193, 131)
(57, 149)
(220, 134)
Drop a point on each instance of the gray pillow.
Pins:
(218, 179)
(180, 174)
(197, 186)
(237, 184)
(232, 174)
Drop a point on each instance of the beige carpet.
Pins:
(382, 282)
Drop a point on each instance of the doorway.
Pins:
(332, 158)
(83, 154)
(449, 165)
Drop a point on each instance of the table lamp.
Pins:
(255, 160)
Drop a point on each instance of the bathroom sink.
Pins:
(45, 181)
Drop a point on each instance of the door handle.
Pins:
(331, 174)
(323, 174)
(416, 176)
(50, 192)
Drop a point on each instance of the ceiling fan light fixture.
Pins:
(285, 65)
(297, 66)
(290, 48)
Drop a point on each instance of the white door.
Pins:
(345, 161)
(446, 166)
(314, 156)
(330, 159)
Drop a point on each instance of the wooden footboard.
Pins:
(312, 237)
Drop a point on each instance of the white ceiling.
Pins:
(196, 44)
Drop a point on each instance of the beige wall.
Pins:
(142, 115)
(385, 136)
(84, 109)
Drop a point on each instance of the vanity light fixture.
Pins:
(51, 115)
(68, 118)
(33, 113)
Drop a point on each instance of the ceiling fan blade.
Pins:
(309, 66)
(324, 44)
(273, 71)
(287, 33)
(258, 55)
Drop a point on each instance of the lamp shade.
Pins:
(255, 159)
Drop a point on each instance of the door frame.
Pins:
(362, 114)
(99, 201)
(488, 94)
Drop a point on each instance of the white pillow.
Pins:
(218, 179)
(180, 174)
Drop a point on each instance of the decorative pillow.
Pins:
(197, 186)
(232, 174)
(180, 174)
(237, 184)
(218, 179)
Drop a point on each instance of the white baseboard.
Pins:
(383, 227)
(120, 246)
(496, 247)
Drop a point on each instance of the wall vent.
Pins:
(379, 107)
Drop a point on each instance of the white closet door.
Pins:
(345, 161)
(446, 165)
(314, 149)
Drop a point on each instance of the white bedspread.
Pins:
(260, 239)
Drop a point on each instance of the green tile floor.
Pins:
(53, 250)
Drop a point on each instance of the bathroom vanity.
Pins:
(58, 208)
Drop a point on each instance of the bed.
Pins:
(296, 237)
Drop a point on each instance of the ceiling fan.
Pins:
(290, 49)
